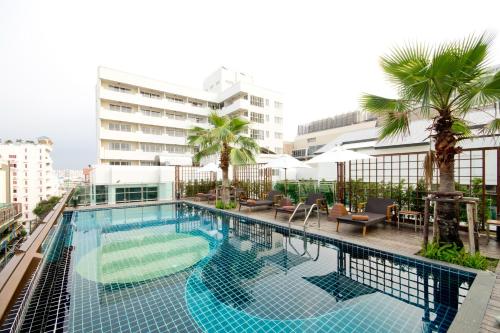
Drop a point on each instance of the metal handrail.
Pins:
(293, 214)
(308, 214)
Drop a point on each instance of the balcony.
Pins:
(240, 104)
(137, 117)
(9, 213)
(160, 103)
(139, 136)
(134, 155)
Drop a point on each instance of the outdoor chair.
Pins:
(271, 199)
(312, 198)
(376, 210)
(210, 196)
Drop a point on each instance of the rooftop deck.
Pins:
(387, 237)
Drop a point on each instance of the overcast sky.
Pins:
(321, 55)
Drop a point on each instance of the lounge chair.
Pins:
(210, 196)
(270, 200)
(313, 198)
(376, 210)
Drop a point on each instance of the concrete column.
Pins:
(111, 194)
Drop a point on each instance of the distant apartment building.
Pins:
(142, 121)
(4, 182)
(31, 171)
(314, 135)
(67, 178)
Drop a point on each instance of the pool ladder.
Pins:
(306, 223)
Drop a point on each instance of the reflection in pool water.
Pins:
(140, 255)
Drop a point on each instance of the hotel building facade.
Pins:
(142, 121)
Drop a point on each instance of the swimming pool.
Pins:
(184, 268)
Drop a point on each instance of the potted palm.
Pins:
(226, 138)
(442, 84)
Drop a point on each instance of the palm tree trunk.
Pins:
(225, 186)
(224, 165)
(447, 212)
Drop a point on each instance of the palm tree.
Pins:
(226, 138)
(441, 84)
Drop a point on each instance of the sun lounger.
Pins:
(376, 210)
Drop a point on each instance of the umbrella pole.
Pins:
(286, 184)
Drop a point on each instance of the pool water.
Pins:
(183, 268)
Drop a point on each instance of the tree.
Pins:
(45, 206)
(442, 84)
(226, 138)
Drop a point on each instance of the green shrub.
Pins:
(452, 254)
(220, 205)
(45, 206)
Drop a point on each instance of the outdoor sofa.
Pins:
(376, 210)
(271, 198)
(312, 198)
(210, 196)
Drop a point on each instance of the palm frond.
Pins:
(248, 143)
(206, 151)
(483, 91)
(492, 128)
(239, 156)
(380, 105)
(394, 114)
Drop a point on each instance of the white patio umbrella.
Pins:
(286, 162)
(210, 167)
(338, 154)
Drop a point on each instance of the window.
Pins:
(152, 130)
(278, 120)
(151, 147)
(175, 99)
(175, 132)
(148, 163)
(267, 101)
(278, 105)
(119, 146)
(150, 94)
(128, 194)
(267, 134)
(119, 163)
(257, 134)
(150, 113)
(175, 115)
(311, 140)
(119, 89)
(197, 119)
(120, 127)
(256, 117)
(120, 108)
(278, 135)
(267, 118)
(150, 193)
(257, 101)
(176, 149)
(197, 104)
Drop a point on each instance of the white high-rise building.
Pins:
(31, 176)
(142, 120)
